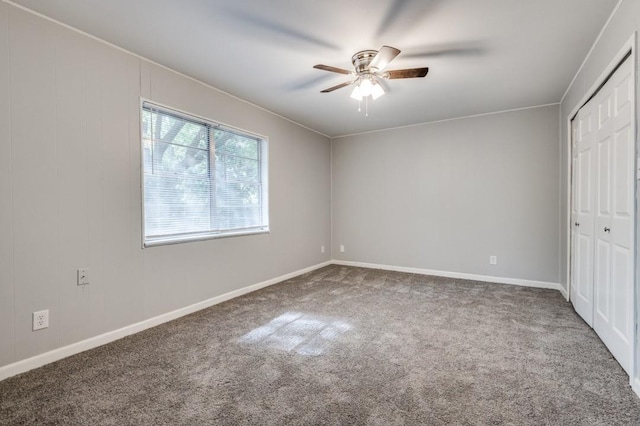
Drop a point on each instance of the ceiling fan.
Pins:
(369, 69)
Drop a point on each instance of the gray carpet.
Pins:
(343, 345)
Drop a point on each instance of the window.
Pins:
(201, 179)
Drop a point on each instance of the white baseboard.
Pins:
(93, 342)
(636, 387)
(564, 292)
(460, 275)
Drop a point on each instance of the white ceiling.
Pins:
(484, 55)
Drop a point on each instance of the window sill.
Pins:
(202, 237)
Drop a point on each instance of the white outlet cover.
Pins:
(322, 249)
(493, 260)
(341, 249)
(40, 320)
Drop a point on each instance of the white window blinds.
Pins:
(201, 179)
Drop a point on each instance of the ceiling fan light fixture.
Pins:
(376, 91)
(366, 86)
(357, 93)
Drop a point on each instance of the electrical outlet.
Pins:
(83, 276)
(493, 260)
(341, 249)
(321, 249)
(40, 320)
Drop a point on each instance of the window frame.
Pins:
(263, 167)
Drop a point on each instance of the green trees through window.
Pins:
(201, 179)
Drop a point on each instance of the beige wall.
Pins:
(70, 191)
(446, 196)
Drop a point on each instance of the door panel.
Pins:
(602, 276)
(585, 274)
(573, 270)
(623, 173)
(584, 176)
(614, 222)
(602, 256)
(582, 274)
(603, 197)
(620, 273)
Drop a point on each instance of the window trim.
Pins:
(263, 165)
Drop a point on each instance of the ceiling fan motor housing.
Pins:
(362, 59)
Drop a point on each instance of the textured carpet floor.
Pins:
(343, 345)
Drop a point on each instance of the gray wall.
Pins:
(623, 25)
(70, 191)
(445, 196)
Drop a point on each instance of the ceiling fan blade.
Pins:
(402, 16)
(339, 86)
(307, 83)
(385, 55)
(408, 73)
(393, 13)
(271, 29)
(331, 69)
(466, 49)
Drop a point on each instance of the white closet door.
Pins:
(574, 211)
(583, 214)
(614, 214)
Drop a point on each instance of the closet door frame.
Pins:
(628, 52)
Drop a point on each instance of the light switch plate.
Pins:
(83, 276)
